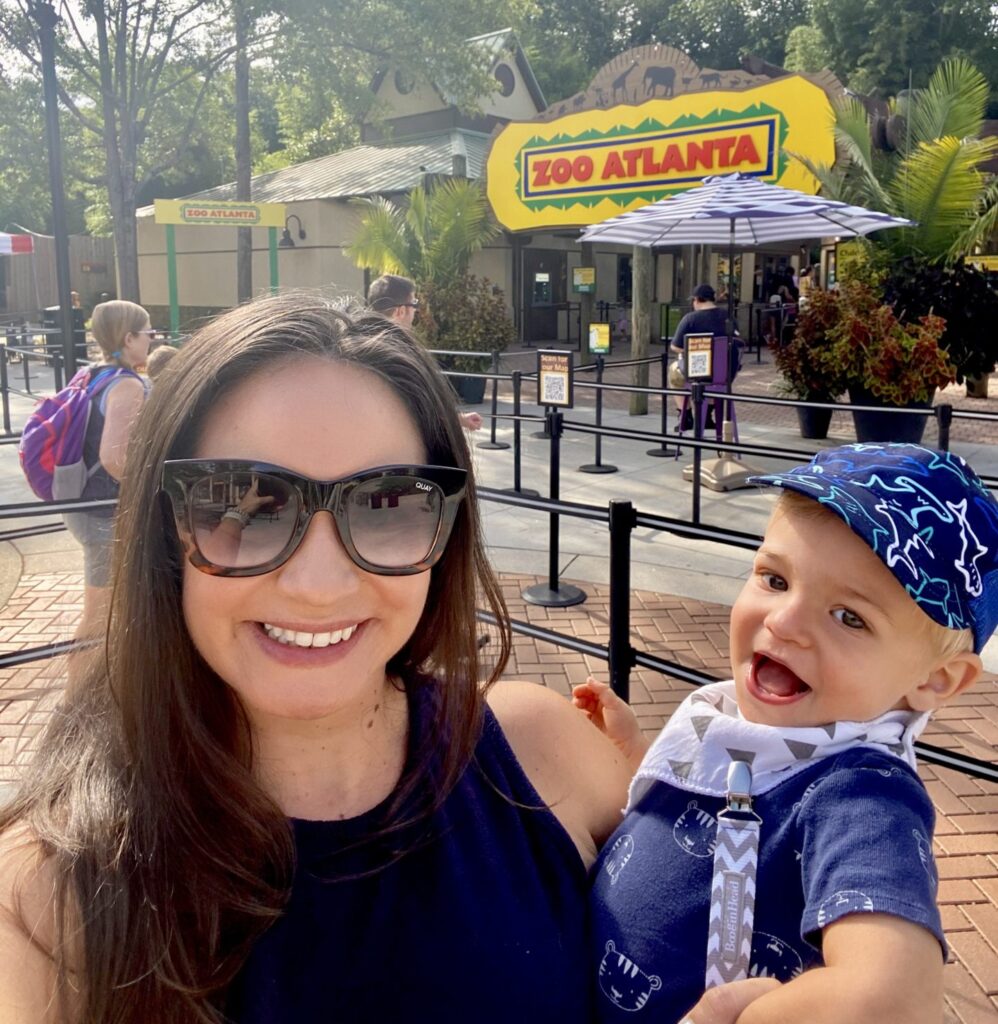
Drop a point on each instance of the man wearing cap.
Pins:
(776, 827)
(394, 296)
(706, 317)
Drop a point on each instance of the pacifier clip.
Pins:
(732, 898)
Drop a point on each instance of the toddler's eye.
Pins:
(848, 618)
(772, 581)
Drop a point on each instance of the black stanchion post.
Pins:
(27, 372)
(5, 393)
(622, 522)
(663, 449)
(492, 444)
(517, 444)
(697, 399)
(944, 417)
(57, 370)
(554, 594)
(599, 466)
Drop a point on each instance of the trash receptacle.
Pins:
(52, 320)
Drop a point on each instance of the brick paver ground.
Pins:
(45, 607)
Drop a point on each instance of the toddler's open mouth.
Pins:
(772, 681)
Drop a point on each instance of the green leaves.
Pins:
(953, 103)
(432, 239)
(937, 180)
(939, 186)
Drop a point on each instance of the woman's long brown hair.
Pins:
(170, 858)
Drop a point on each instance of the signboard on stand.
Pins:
(699, 357)
(599, 339)
(554, 378)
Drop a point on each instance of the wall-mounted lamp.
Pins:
(287, 242)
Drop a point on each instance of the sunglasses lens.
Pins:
(394, 520)
(268, 505)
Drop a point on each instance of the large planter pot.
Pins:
(977, 387)
(887, 426)
(471, 390)
(814, 423)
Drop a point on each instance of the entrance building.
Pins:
(651, 123)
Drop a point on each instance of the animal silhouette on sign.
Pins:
(687, 82)
(655, 77)
(619, 84)
(714, 78)
(579, 100)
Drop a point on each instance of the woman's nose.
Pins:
(320, 570)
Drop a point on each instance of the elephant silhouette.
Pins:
(661, 76)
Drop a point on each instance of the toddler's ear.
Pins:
(958, 673)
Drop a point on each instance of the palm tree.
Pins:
(933, 176)
(431, 240)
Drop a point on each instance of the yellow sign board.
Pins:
(219, 214)
(599, 339)
(584, 279)
(984, 262)
(585, 167)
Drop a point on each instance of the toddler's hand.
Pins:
(612, 716)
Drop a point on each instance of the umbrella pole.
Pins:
(726, 473)
(731, 282)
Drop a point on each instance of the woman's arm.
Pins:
(575, 769)
(27, 930)
(124, 401)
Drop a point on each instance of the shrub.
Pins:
(467, 314)
(962, 297)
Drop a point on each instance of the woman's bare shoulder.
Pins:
(572, 765)
(27, 929)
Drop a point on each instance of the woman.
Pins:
(282, 795)
(123, 332)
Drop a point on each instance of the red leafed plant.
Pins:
(851, 339)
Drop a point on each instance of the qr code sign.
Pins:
(699, 364)
(555, 392)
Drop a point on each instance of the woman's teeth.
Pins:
(299, 639)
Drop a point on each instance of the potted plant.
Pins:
(467, 314)
(808, 365)
(961, 295)
(886, 362)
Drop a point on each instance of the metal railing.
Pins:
(620, 517)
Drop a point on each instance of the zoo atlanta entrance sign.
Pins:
(650, 124)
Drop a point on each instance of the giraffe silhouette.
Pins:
(619, 84)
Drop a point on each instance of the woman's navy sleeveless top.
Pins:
(484, 921)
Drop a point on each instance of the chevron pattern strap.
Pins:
(732, 903)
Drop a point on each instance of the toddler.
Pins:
(776, 826)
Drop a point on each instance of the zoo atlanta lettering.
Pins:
(729, 151)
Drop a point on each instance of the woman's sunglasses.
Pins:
(241, 518)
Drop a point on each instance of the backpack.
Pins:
(51, 448)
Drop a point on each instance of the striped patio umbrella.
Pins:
(11, 244)
(742, 211)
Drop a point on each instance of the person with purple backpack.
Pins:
(124, 333)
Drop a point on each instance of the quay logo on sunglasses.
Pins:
(244, 518)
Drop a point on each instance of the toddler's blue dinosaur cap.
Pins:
(926, 515)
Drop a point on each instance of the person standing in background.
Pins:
(394, 296)
(123, 331)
